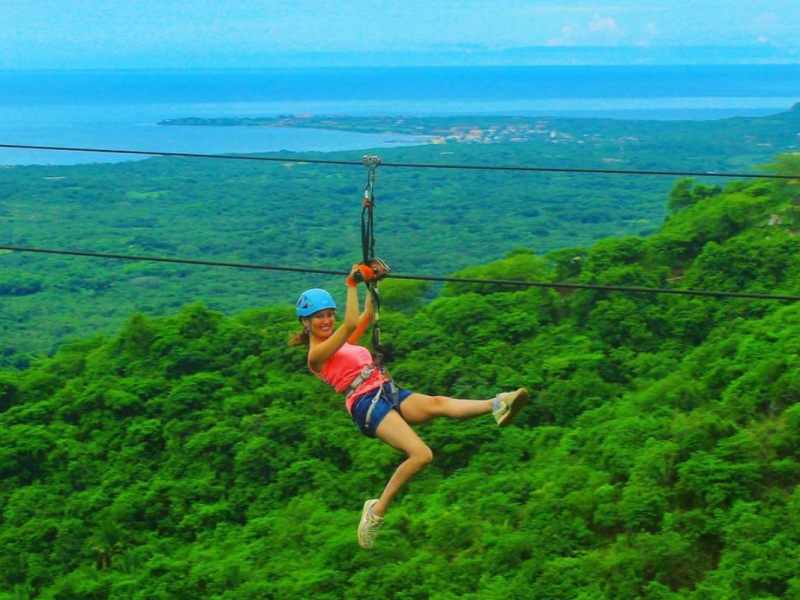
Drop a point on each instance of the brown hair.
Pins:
(299, 339)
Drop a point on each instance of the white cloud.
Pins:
(603, 24)
(647, 35)
(650, 29)
(565, 39)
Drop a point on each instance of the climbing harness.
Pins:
(393, 391)
(380, 269)
(365, 374)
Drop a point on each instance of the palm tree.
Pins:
(108, 543)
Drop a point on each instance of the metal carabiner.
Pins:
(371, 163)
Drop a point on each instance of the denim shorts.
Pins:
(383, 405)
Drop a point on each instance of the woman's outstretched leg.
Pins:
(396, 431)
(419, 408)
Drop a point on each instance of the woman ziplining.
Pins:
(378, 407)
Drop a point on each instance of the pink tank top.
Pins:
(341, 369)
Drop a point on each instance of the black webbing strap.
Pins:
(367, 212)
(376, 323)
(368, 249)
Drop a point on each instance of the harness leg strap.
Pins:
(394, 394)
(368, 418)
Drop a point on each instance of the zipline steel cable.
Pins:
(249, 157)
(517, 283)
(508, 282)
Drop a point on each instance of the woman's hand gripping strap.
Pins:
(360, 273)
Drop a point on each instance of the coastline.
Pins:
(121, 109)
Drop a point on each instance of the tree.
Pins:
(109, 540)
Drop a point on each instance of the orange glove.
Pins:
(359, 273)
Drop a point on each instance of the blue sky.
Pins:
(259, 33)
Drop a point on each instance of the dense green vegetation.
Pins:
(192, 456)
(429, 221)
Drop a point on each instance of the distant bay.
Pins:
(120, 109)
(133, 127)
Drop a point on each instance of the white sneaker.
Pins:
(370, 525)
(508, 405)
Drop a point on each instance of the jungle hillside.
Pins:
(193, 456)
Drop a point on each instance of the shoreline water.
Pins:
(120, 109)
(144, 136)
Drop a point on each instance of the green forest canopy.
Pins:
(428, 222)
(193, 456)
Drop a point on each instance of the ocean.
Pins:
(120, 109)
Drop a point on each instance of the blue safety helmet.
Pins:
(314, 300)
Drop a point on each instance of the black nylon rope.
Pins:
(368, 250)
(505, 282)
(408, 165)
